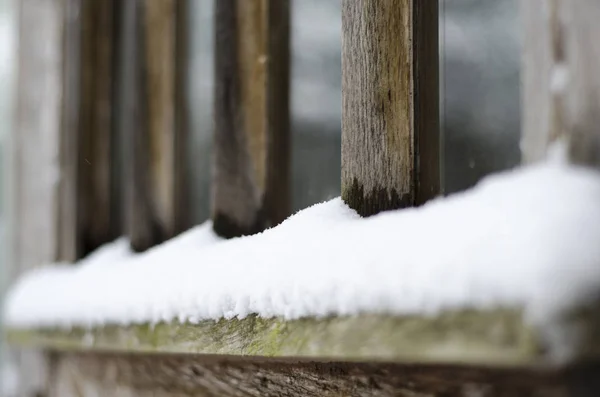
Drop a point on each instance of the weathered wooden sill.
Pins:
(500, 337)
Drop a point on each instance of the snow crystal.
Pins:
(526, 238)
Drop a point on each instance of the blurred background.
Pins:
(479, 107)
(7, 56)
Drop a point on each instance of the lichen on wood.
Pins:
(498, 337)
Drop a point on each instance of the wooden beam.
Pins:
(251, 182)
(166, 375)
(390, 104)
(561, 85)
(156, 188)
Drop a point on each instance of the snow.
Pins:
(526, 238)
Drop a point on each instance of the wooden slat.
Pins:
(561, 85)
(251, 179)
(390, 97)
(126, 375)
(156, 200)
(479, 337)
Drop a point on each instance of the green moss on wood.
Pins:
(499, 336)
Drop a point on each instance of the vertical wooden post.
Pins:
(251, 176)
(34, 177)
(561, 85)
(73, 125)
(96, 224)
(156, 205)
(390, 104)
(85, 203)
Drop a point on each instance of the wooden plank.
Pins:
(390, 97)
(156, 187)
(561, 87)
(125, 375)
(498, 337)
(251, 180)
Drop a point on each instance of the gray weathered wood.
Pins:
(34, 177)
(561, 85)
(390, 104)
(83, 375)
(156, 203)
(61, 147)
(251, 176)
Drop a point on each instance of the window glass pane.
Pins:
(480, 92)
(316, 100)
(200, 94)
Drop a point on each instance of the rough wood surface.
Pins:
(251, 175)
(169, 376)
(390, 104)
(561, 87)
(156, 193)
(494, 337)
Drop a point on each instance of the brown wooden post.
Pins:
(156, 203)
(390, 104)
(561, 85)
(96, 223)
(251, 176)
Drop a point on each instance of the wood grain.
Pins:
(157, 184)
(85, 375)
(390, 104)
(561, 88)
(251, 181)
